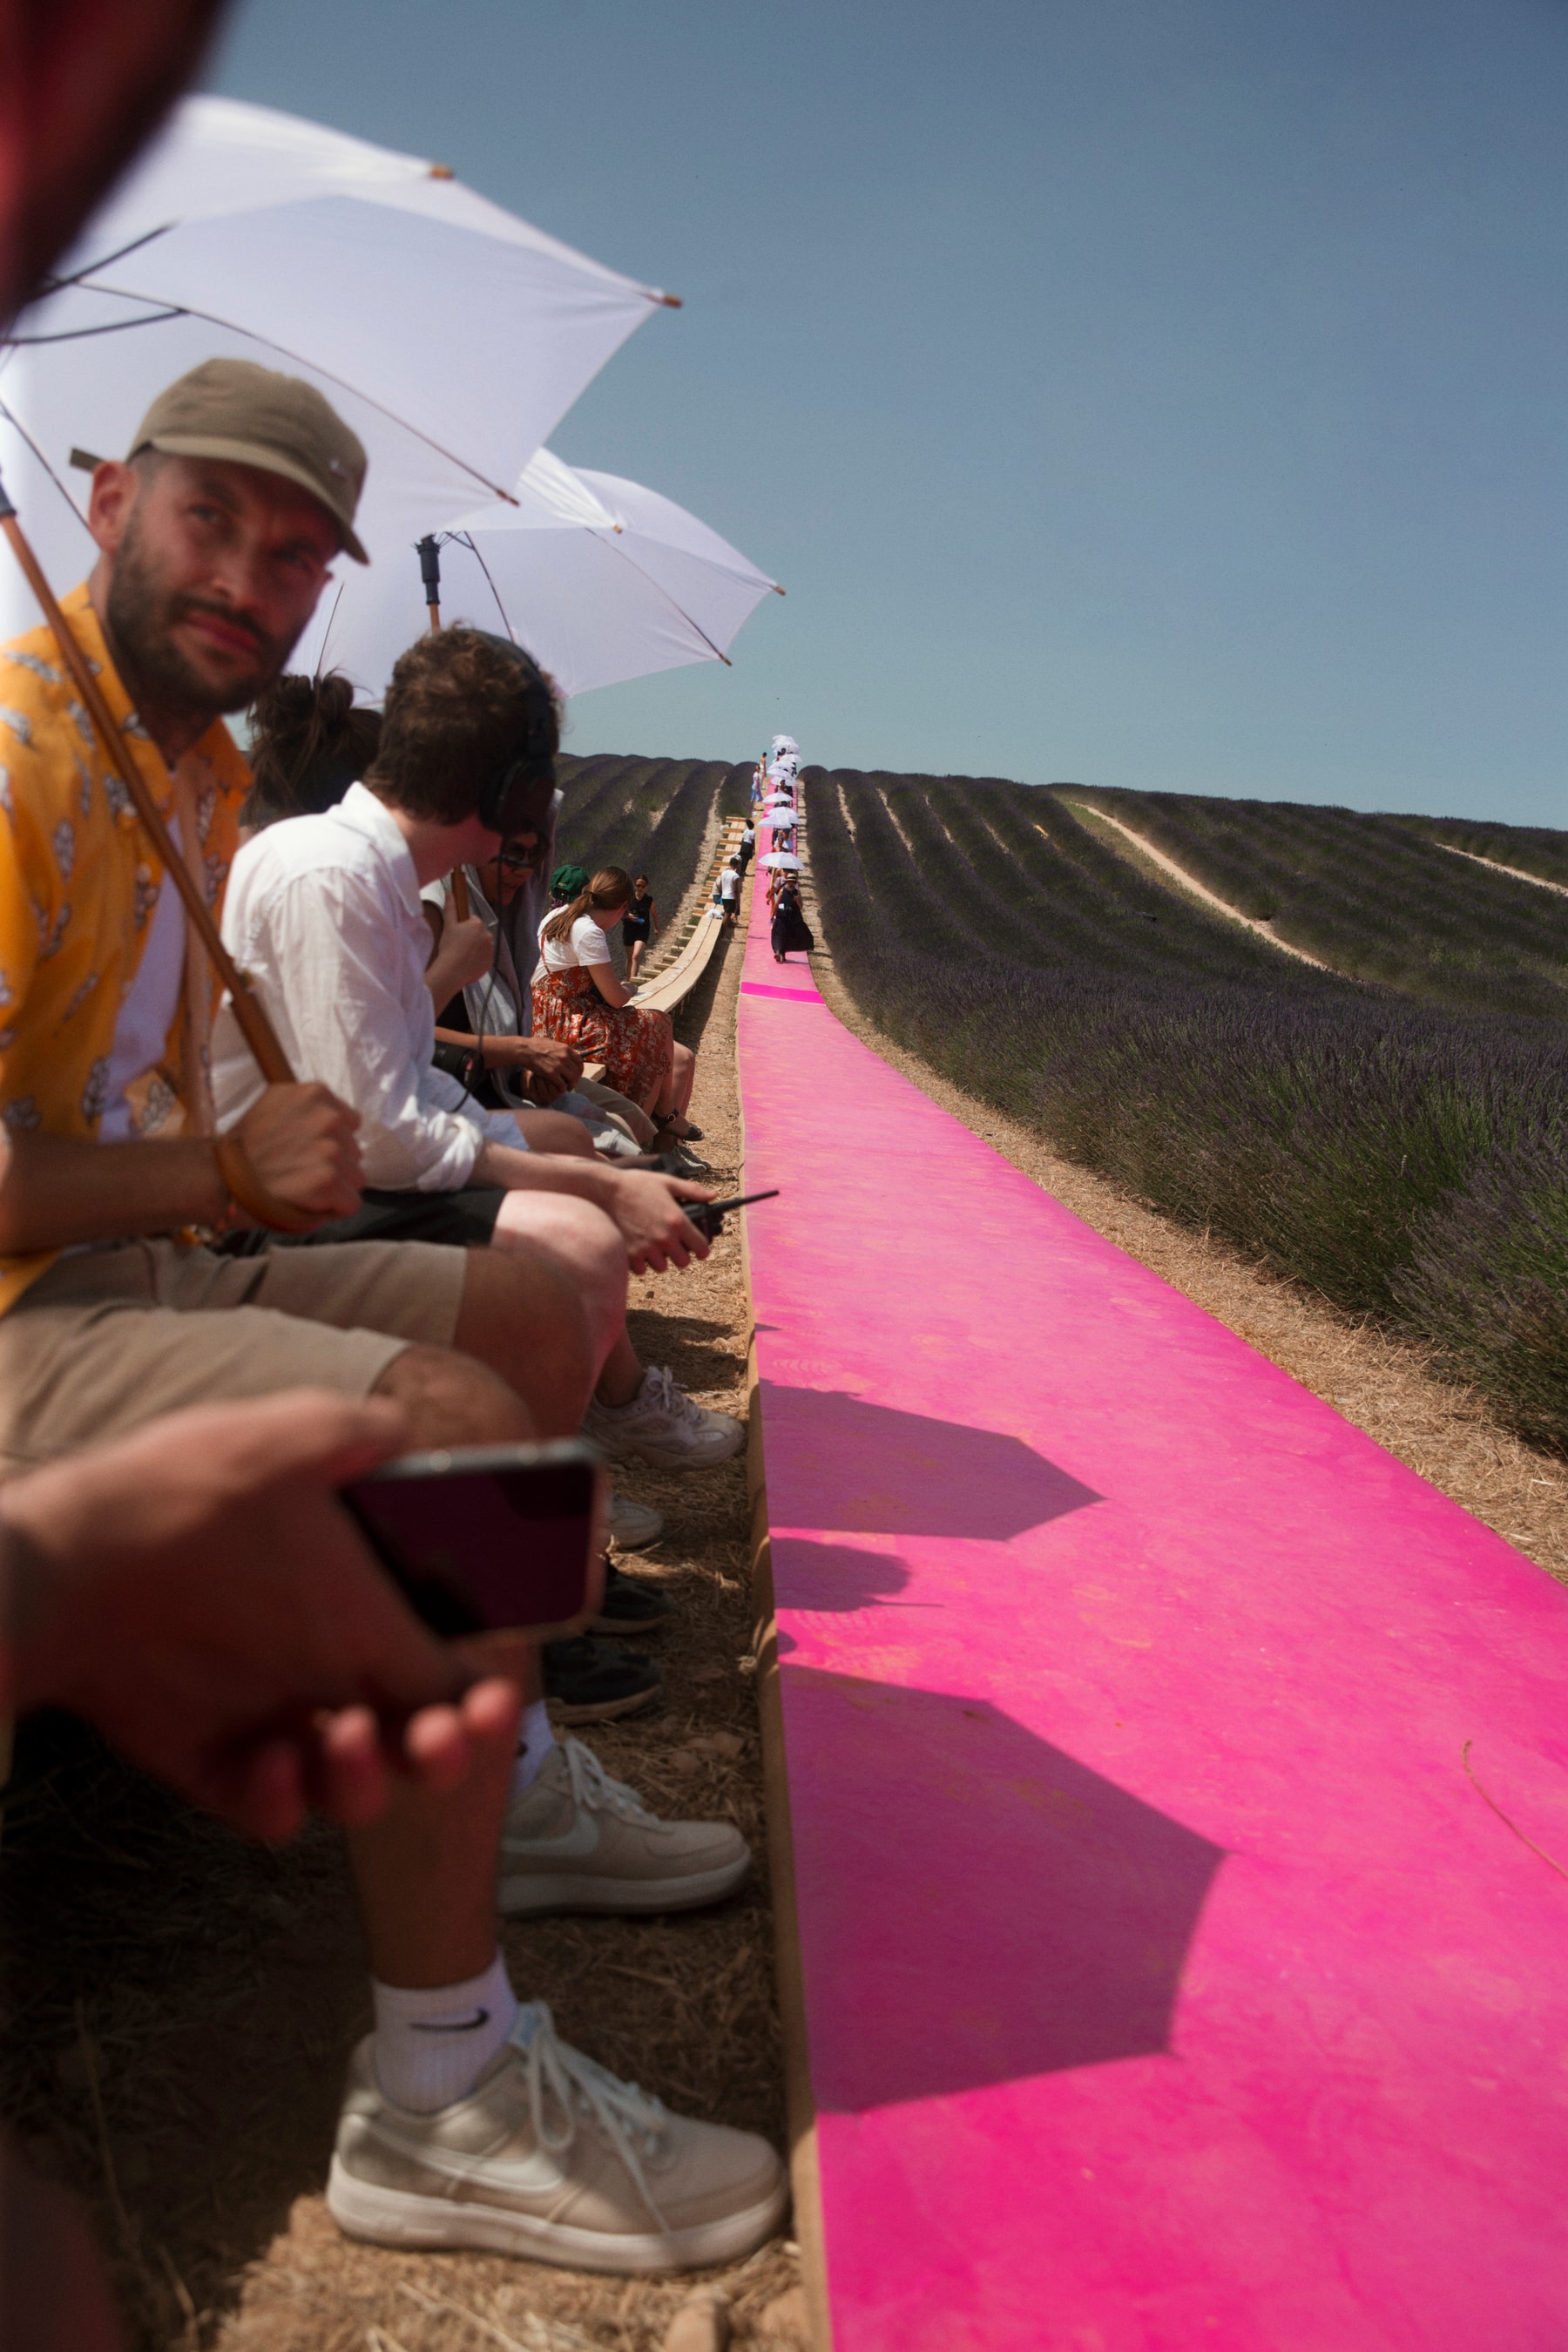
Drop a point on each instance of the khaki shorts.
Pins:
(109, 1337)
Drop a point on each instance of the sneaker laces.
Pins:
(581, 2087)
(666, 1398)
(592, 1786)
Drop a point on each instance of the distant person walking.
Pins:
(729, 892)
(639, 927)
(791, 929)
(747, 845)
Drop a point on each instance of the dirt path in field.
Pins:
(1383, 1384)
(178, 2006)
(1167, 870)
(1495, 865)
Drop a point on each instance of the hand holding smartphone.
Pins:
(482, 1538)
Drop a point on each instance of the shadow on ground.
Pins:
(976, 1906)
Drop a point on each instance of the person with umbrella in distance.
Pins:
(790, 929)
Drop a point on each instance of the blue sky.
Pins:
(1164, 392)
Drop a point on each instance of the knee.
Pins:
(572, 1235)
(452, 1399)
(558, 1132)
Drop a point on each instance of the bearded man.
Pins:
(215, 536)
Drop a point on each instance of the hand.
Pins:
(553, 1068)
(299, 1141)
(465, 952)
(646, 1209)
(198, 1594)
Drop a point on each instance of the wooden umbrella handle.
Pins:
(459, 882)
(256, 1028)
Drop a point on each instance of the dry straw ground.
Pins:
(178, 2006)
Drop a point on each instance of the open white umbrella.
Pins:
(782, 857)
(601, 579)
(450, 334)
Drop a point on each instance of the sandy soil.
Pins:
(178, 2006)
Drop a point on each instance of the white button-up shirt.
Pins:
(323, 914)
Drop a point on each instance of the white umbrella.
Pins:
(450, 334)
(782, 857)
(600, 579)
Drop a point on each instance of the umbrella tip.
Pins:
(672, 301)
(442, 172)
(777, 590)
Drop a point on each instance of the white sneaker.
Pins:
(553, 2157)
(633, 1526)
(662, 1424)
(579, 1840)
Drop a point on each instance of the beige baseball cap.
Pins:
(253, 416)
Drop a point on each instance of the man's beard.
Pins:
(143, 614)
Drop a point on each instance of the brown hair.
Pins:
(611, 887)
(309, 743)
(460, 704)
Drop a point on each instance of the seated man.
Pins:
(324, 914)
(111, 1313)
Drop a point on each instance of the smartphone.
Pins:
(480, 1538)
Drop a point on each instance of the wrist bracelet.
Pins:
(243, 1187)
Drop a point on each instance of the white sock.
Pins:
(535, 1742)
(431, 2046)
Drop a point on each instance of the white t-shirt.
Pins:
(147, 1012)
(584, 943)
(728, 883)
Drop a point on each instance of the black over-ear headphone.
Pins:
(503, 802)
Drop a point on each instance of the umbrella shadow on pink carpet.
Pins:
(982, 1908)
(853, 1466)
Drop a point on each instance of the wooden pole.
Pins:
(255, 1026)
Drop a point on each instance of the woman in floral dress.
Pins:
(578, 999)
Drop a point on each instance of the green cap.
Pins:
(567, 880)
(250, 416)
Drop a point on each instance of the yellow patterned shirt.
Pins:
(79, 879)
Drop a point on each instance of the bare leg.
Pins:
(579, 1245)
(556, 1131)
(622, 1375)
(523, 1358)
(425, 1870)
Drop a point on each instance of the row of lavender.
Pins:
(1381, 898)
(1408, 1162)
(647, 815)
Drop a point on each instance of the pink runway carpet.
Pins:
(1178, 1785)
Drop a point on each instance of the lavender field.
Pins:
(645, 814)
(1398, 1139)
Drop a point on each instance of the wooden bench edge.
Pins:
(800, 2107)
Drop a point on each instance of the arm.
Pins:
(336, 960)
(196, 1592)
(645, 1207)
(554, 1067)
(462, 953)
(609, 986)
(56, 1190)
(653, 919)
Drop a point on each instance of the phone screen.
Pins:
(487, 1537)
